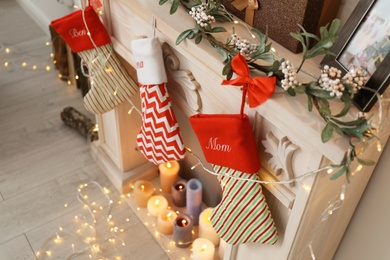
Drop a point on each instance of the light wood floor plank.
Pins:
(135, 237)
(32, 170)
(16, 25)
(44, 203)
(16, 249)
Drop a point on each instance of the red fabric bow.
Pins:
(259, 88)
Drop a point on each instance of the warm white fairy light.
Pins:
(6, 64)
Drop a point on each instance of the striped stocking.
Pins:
(86, 35)
(159, 139)
(243, 215)
(110, 82)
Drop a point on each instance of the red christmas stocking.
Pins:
(243, 215)
(227, 140)
(159, 138)
(111, 84)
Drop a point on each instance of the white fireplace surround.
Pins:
(281, 124)
(288, 136)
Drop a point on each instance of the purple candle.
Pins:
(179, 192)
(182, 230)
(194, 199)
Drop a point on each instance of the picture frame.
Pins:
(364, 42)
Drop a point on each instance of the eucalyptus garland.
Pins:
(330, 85)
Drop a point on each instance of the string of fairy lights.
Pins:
(84, 240)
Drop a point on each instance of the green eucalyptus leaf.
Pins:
(324, 32)
(227, 68)
(268, 47)
(291, 91)
(222, 18)
(217, 30)
(298, 37)
(338, 129)
(327, 132)
(321, 93)
(325, 111)
(183, 36)
(311, 35)
(310, 103)
(347, 107)
(356, 122)
(356, 131)
(320, 52)
(366, 162)
(340, 172)
(174, 6)
(161, 2)
(266, 57)
(198, 39)
(334, 27)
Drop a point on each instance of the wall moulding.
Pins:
(181, 83)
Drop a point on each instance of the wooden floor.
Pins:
(43, 161)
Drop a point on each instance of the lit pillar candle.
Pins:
(203, 249)
(165, 221)
(182, 231)
(194, 199)
(169, 172)
(157, 204)
(206, 230)
(179, 193)
(142, 192)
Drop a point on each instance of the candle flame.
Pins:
(204, 247)
(180, 187)
(157, 202)
(142, 187)
(169, 165)
(184, 222)
(169, 215)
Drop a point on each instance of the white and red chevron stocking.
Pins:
(243, 215)
(159, 138)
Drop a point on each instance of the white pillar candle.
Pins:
(165, 221)
(169, 172)
(206, 230)
(157, 204)
(221, 249)
(203, 249)
(142, 192)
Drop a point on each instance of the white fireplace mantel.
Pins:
(283, 128)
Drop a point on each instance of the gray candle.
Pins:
(194, 199)
(182, 230)
(179, 191)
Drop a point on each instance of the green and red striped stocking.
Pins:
(243, 215)
(85, 34)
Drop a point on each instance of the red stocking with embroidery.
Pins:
(228, 143)
(159, 138)
(85, 34)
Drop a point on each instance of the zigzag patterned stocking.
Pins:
(159, 138)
